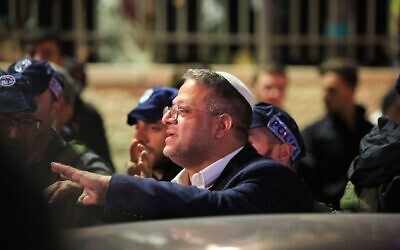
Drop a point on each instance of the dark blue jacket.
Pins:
(248, 185)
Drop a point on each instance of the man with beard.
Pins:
(146, 151)
(333, 142)
(207, 135)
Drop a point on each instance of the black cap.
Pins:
(151, 105)
(40, 74)
(281, 124)
(15, 94)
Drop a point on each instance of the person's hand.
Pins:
(141, 165)
(95, 185)
(135, 150)
(62, 189)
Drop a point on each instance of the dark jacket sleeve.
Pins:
(260, 189)
(88, 127)
(91, 162)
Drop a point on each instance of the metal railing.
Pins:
(226, 31)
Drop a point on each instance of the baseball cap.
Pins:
(239, 86)
(151, 105)
(15, 94)
(40, 74)
(281, 124)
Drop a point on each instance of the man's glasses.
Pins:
(177, 110)
(174, 111)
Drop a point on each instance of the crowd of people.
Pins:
(207, 148)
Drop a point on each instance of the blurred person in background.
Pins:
(391, 105)
(333, 141)
(146, 151)
(374, 175)
(45, 145)
(65, 111)
(269, 84)
(85, 123)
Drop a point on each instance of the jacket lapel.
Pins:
(237, 163)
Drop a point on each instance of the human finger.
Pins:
(134, 153)
(66, 171)
(66, 189)
(132, 169)
(49, 191)
(81, 198)
(144, 165)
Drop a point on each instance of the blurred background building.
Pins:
(301, 32)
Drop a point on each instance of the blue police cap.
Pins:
(15, 94)
(151, 105)
(281, 124)
(40, 74)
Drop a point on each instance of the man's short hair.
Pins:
(271, 68)
(345, 68)
(224, 98)
(42, 38)
(391, 100)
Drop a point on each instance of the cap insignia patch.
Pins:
(146, 95)
(22, 65)
(7, 80)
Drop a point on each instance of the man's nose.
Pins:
(167, 119)
(12, 132)
(141, 135)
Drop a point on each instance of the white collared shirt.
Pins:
(205, 178)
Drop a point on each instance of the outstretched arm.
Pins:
(95, 185)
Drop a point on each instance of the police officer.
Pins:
(275, 134)
(46, 87)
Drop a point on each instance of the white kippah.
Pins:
(239, 86)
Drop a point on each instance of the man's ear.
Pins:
(285, 151)
(224, 125)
